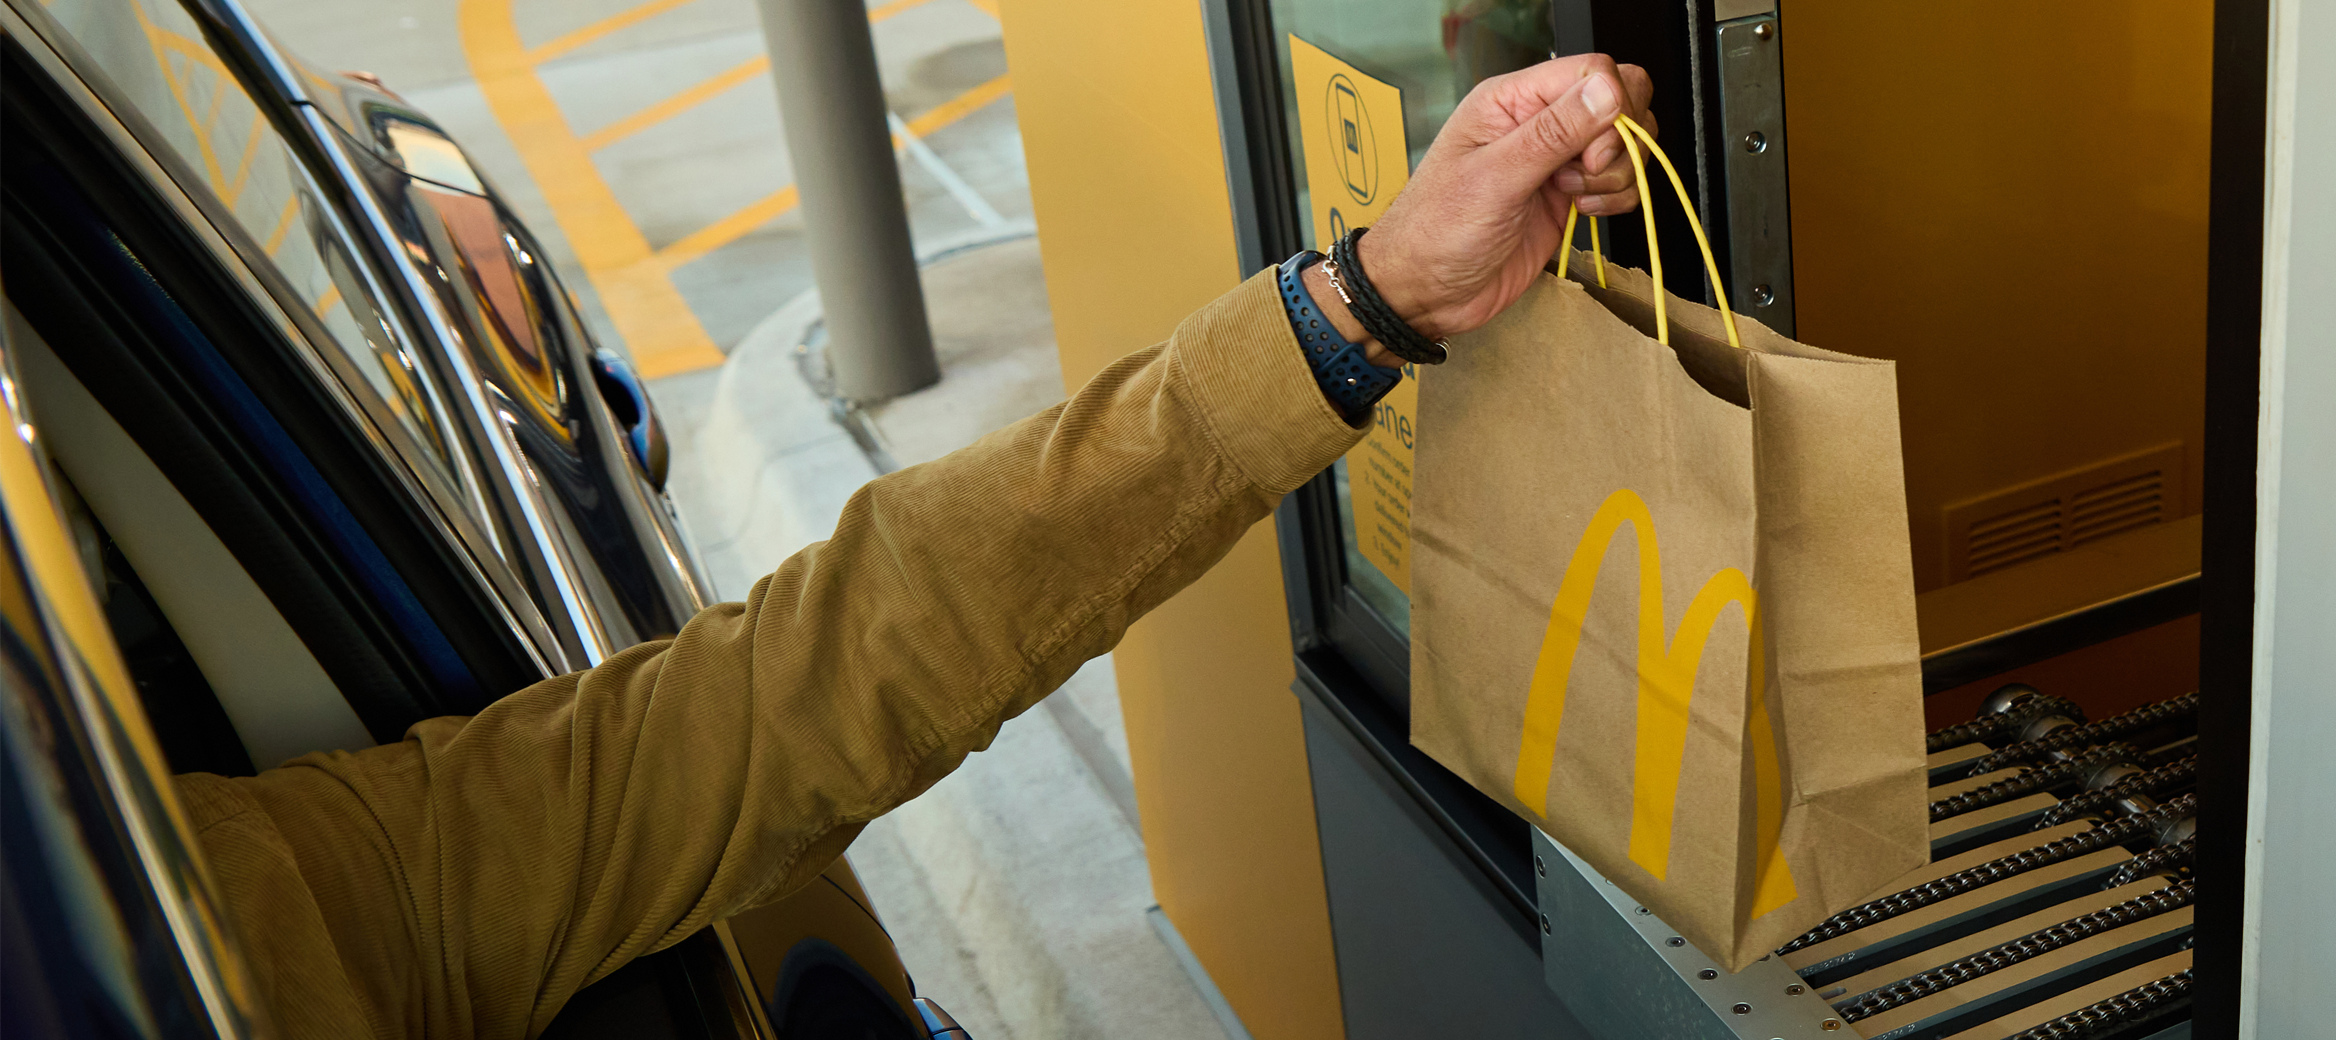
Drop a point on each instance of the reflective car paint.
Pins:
(563, 409)
(524, 337)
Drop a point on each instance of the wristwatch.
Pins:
(1348, 378)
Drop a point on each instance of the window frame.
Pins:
(273, 350)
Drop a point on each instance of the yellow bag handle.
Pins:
(1632, 134)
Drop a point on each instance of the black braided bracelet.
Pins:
(1372, 310)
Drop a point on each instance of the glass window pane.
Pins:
(1433, 52)
(1362, 575)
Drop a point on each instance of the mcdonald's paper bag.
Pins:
(1663, 605)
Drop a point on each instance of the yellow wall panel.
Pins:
(2009, 198)
(1126, 174)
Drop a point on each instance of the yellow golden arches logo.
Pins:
(1666, 681)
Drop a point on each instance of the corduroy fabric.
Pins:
(467, 880)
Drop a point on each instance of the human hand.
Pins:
(1484, 212)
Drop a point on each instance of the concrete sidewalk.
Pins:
(1016, 888)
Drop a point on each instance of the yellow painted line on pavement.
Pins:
(883, 11)
(959, 107)
(251, 151)
(743, 222)
(283, 225)
(675, 105)
(569, 41)
(703, 91)
(562, 44)
(634, 282)
(657, 324)
(161, 41)
(728, 229)
(940, 115)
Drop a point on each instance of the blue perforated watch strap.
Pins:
(1351, 382)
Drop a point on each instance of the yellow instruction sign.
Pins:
(1351, 127)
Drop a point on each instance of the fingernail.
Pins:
(1570, 181)
(1598, 96)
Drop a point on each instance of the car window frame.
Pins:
(106, 729)
(475, 546)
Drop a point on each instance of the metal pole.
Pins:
(824, 64)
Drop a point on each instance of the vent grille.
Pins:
(2061, 512)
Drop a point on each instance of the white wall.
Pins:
(2291, 912)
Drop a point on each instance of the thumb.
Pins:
(1556, 135)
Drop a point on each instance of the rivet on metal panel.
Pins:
(1763, 295)
(1742, 1009)
(1545, 924)
(1641, 910)
(1707, 974)
(1674, 941)
(1751, 94)
(1832, 1024)
(1794, 990)
(1539, 867)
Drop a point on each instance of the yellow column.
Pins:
(1126, 174)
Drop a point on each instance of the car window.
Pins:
(106, 903)
(155, 54)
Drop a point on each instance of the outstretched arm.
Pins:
(588, 819)
(473, 876)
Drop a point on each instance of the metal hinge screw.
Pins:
(1545, 924)
(1764, 30)
(1674, 941)
(1755, 142)
(1540, 867)
(1707, 974)
(1742, 1009)
(1762, 296)
(1794, 990)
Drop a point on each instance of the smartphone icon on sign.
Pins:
(1352, 160)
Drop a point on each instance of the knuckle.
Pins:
(1555, 132)
(1478, 96)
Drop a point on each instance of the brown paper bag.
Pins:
(1663, 604)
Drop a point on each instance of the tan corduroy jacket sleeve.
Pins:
(467, 880)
